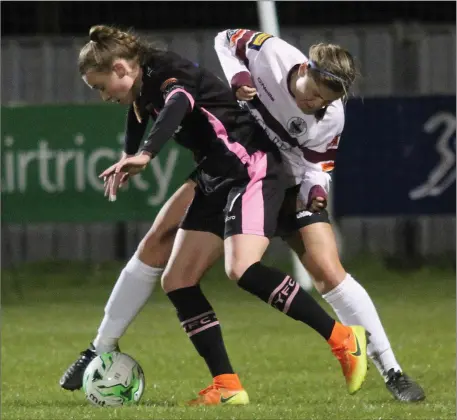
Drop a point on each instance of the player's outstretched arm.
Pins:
(168, 121)
(230, 46)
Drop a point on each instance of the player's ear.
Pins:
(302, 69)
(119, 69)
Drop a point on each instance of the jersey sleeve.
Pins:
(173, 81)
(167, 122)
(319, 155)
(135, 128)
(234, 47)
(176, 82)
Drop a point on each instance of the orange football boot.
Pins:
(225, 389)
(349, 345)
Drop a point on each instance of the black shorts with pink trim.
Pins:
(243, 205)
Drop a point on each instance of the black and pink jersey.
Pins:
(200, 112)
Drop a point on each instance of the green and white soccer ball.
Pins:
(113, 379)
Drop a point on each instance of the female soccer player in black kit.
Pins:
(238, 197)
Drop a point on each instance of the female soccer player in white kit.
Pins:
(305, 118)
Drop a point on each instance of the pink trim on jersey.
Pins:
(236, 148)
(273, 294)
(253, 216)
(252, 207)
(291, 298)
(213, 324)
(189, 96)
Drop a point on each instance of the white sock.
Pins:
(130, 293)
(353, 306)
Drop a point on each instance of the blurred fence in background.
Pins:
(398, 60)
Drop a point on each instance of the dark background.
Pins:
(68, 17)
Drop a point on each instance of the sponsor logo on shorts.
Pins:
(228, 218)
(304, 213)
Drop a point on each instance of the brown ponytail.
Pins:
(108, 43)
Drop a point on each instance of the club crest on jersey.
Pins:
(297, 126)
(259, 40)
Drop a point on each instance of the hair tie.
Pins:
(313, 65)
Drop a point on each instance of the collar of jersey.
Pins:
(289, 76)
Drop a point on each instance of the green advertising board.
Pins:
(51, 159)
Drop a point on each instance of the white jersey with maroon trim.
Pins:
(308, 144)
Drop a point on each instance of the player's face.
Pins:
(310, 96)
(115, 86)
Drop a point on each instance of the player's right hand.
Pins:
(246, 93)
(112, 183)
(317, 204)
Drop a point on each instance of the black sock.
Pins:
(285, 294)
(201, 325)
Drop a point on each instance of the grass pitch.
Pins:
(52, 311)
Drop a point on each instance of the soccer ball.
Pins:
(113, 379)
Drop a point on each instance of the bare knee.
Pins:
(321, 257)
(327, 274)
(171, 282)
(236, 269)
(189, 262)
(155, 248)
(242, 251)
(325, 269)
(178, 276)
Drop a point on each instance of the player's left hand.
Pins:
(317, 204)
